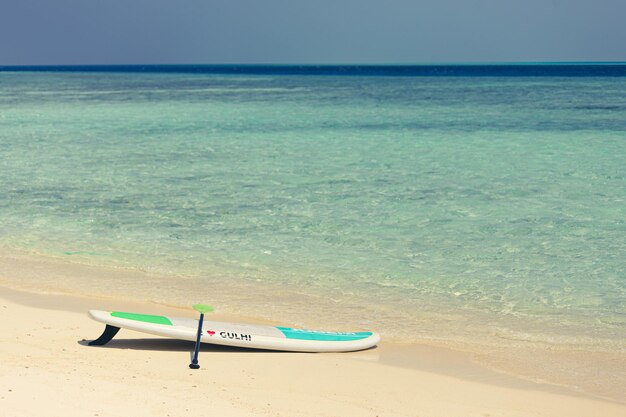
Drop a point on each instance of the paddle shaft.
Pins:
(194, 362)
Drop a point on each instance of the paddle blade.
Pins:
(203, 308)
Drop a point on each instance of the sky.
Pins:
(74, 32)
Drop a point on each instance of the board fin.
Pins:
(106, 336)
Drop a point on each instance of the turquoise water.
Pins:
(423, 207)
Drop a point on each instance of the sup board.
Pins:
(233, 334)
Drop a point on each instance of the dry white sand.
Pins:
(46, 369)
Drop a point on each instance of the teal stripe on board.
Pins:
(323, 336)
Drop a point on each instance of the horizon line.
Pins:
(473, 69)
(328, 64)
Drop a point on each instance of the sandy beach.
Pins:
(46, 368)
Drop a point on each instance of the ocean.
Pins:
(470, 204)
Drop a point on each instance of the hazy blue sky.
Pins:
(314, 31)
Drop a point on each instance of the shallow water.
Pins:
(486, 209)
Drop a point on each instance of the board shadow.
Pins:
(171, 345)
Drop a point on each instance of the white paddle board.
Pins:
(234, 334)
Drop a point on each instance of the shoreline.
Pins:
(44, 354)
(420, 357)
(479, 363)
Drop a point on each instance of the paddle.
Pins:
(201, 308)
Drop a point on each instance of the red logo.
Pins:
(210, 332)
